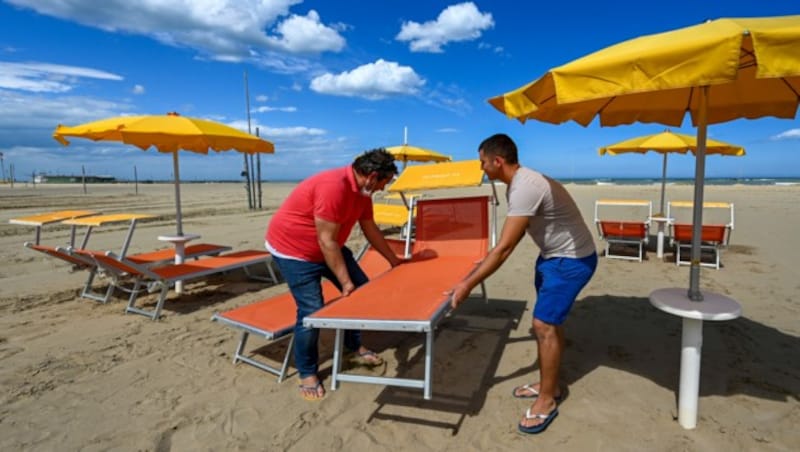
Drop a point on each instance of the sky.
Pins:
(328, 80)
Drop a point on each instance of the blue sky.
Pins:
(328, 80)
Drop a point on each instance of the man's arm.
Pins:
(513, 230)
(378, 241)
(326, 237)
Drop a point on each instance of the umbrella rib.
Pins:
(747, 59)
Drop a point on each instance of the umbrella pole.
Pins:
(697, 214)
(178, 217)
(663, 185)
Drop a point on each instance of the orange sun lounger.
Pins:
(149, 259)
(452, 238)
(713, 237)
(274, 318)
(166, 276)
(91, 221)
(624, 231)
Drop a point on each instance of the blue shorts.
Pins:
(558, 281)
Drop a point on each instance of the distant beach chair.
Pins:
(163, 277)
(627, 231)
(713, 236)
(274, 318)
(452, 238)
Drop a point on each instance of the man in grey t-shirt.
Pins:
(541, 207)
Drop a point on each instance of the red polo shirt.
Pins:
(331, 195)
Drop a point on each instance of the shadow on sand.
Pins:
(739, 356)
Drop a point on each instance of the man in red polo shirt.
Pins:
(306, 237)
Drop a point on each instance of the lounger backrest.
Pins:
(626, 229)
(109, 263)
(454, 226)
(714, 233)
(55, 252)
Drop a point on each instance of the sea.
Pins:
(779, 181)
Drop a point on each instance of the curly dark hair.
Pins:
(377, 160)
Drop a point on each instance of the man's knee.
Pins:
(543, 330)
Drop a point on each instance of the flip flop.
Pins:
(533, 393)
(539, 428)
(369, 358)
(306, 389)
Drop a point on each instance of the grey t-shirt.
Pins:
(554, 222)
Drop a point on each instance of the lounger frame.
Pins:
(162, 278)
(286, 324)
(713, 237)
(441, 305)
(616, 232)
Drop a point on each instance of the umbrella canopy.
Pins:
(718, 71)
(665, 143)
(406, 153)
(168, 133)
(748, 67)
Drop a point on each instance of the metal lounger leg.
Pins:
(337, 359)
(240, 347)
(134, 293)
(152, 314)
(272, 278)
(428, 390)
(281, 373)
(285, 365)
(87, 289)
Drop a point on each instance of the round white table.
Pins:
(714, 307)
(180, 245)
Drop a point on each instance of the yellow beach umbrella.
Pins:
(669, 142)
(717, 71)
(406, 153)
(168, 133)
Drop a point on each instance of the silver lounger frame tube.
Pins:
(270, 336)
(428, 327)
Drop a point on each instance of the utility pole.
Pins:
(246, 171)
(258, 171)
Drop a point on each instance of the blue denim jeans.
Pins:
(305, 283)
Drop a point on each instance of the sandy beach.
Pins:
(80, 375)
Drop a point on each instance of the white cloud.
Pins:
(461, 22)
(292, 132)
(28, 119)
(46, 77)
(791, 134)
(370, 81)
(306, 34)
(267, 109)
(262, 98)
(223, 30)
(138, 89)
(447, 130)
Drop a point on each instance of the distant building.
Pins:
(66, 179)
